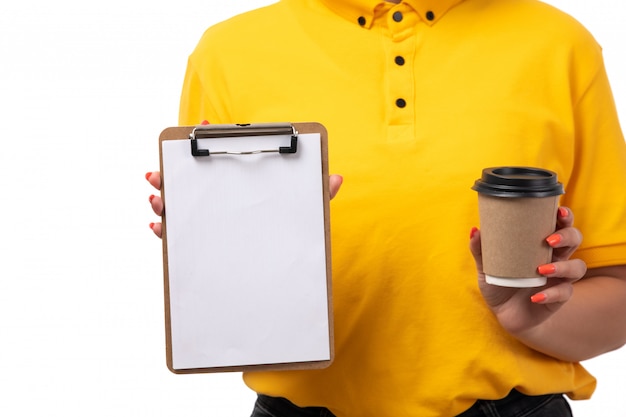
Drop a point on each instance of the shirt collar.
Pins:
(362, 12)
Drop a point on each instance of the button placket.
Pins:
(401, 89)
(399, 61)
(402, 21)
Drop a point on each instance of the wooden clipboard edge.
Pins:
(291, 366)
(183, 132)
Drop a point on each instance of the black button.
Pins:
(430, 15)
(361, 21)
(397, 16)
(399, 60)
(401, 103)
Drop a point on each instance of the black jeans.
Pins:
(515, 404)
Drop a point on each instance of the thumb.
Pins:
(334, 182)
(475, 248)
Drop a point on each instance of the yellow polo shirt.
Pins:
(418, 98)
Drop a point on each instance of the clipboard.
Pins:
(246, 247)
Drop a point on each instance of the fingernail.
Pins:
(473, 232)
(547, 269)
(151, 198)
(563, 212)
(151, 225)
(205, 122)
(554, 239)
(538, 298)
(148, 175)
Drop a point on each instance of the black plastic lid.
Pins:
(518, 182)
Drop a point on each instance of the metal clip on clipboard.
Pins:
(240, 130)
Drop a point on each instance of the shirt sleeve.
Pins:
(194, 102)
(596, 192)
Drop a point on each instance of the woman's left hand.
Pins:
(521, 309)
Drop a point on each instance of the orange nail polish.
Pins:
(151, 225)
(205, 122)
(148, 175)
(546, 269)
(554, 239)
(473, 232)
(538, 298)
(151, 198)
(563, 212)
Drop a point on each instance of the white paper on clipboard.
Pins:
(247, 253)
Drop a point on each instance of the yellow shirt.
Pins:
(417, 99)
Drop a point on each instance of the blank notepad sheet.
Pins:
(246, 254)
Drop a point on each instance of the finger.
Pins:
(475, 248)
(157, 204)
(566, 237)
(154, 178)
(564, 218)
(565, 242)
(334, 183)
(156, 228)
(556, 294)
(573, 269)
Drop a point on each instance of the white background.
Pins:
(85, 89)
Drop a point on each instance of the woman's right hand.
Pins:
(154, 178)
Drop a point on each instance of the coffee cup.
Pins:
(517, 208)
